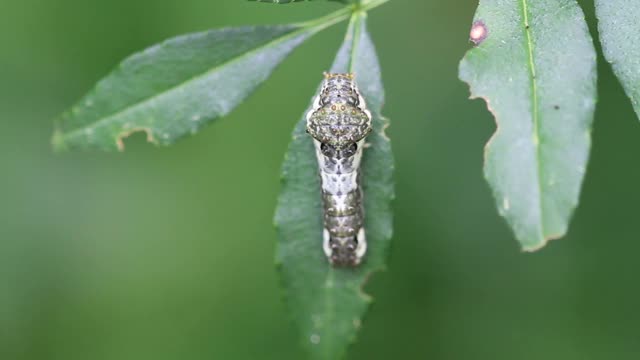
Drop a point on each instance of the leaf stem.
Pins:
(342, 14)
(329, 19)
(354, 31)
(364, 5)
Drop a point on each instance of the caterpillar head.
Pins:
(339, 116)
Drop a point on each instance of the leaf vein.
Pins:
(535, 109)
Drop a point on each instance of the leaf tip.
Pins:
(57, 141)
(534, 247)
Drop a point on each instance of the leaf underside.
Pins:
(328, 303)
(535, 65)
(174, 88)
(619, 28)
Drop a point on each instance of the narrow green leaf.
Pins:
(174, 88)
(619, 27)
(328, 303)
(535, 65)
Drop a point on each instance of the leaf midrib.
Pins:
(356, 18)
(535, 109)
(354, 29)
(329, 308)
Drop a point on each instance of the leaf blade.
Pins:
(619, 29)
(327, 304)
(176, 87)
(535, 66)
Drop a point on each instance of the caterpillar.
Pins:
(339, 122)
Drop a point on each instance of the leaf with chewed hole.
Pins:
(328, 303)
(535, 65)
(175, 88)
(619, 28)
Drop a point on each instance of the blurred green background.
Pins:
(167, 253)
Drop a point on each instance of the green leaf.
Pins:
(535, 65)
(619, 27)
(328, 303)
(175, 88)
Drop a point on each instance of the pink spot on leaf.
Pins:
(478, 32)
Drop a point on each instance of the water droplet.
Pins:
(315, 339)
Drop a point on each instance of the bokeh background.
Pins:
(167, 253)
